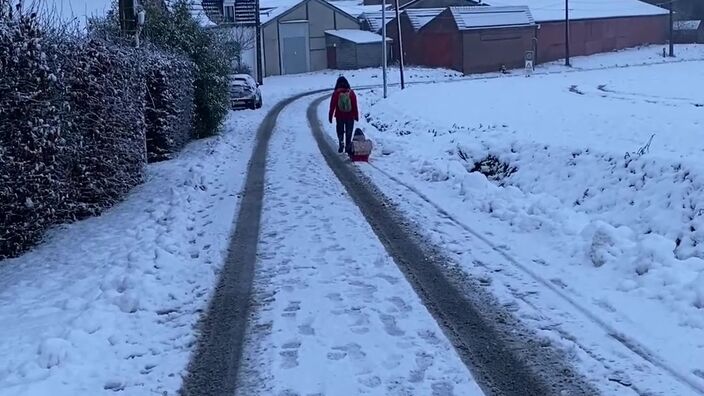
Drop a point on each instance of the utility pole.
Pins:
(672, 44)
(258, 53)
(383, 44)
(400, 44)
(567, 33)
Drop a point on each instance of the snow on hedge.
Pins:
(76, 112)
(169, 106)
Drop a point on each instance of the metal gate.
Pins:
(295, 52)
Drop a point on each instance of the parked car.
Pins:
(244, 92)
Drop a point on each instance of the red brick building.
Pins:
(467, 39)
(595, 26)
(433, 37)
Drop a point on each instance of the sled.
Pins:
(359, 158)
(361, 149)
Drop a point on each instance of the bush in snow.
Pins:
(32, 141)
(490, 166)
(72, 139)
(169, 105)
(177, 31)
(106, 93)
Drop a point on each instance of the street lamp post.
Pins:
(672, 43)
(567, 33)
(383, 44)
(400, 44)
(141, 16)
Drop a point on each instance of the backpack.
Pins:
(344, 102)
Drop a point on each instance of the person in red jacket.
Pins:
(343, 107)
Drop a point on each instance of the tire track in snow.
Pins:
(631, 344)
(494, 354)
(332, 314)
(215, 363)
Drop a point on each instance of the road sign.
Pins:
(529, 62)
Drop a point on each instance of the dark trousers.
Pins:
(345, 129)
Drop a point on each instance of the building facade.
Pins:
(294, 41)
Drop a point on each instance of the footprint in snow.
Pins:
(390, 325)
(291, 309)
(391, 279)
(442, 388)
(423, 361)
(334, 297)
(372, 381)
(289, 354)
(353, 350)
(306, 329)
(430, 337)
(400, 304)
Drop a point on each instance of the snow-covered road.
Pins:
(333, 313)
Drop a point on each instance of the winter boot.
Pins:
(341, 148)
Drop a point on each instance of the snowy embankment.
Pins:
(613, 223)
(110, 303)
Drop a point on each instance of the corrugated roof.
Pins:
(374, 19)
(356, 36)
(687, 25)
(355, 7)
(420, 17)
(491, 17)
(554, 10)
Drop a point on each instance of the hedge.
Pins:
(75, 114)
(32, 142)
(106, 93)
(170, 108)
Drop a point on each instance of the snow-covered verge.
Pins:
(645, 55)
(615, 228)
(109, 303)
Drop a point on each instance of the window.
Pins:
(230, 13)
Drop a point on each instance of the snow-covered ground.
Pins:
(109, 303)
(597, 246)
(334, 314)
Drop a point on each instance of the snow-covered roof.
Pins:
(374, 19)
(356, 36)
(554, 10)
(271, 9)
(420, 17)
(687, 25)
(354, 7)
(490, 17)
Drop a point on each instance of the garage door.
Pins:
(295, 54)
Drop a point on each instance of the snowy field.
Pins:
(597, 238)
